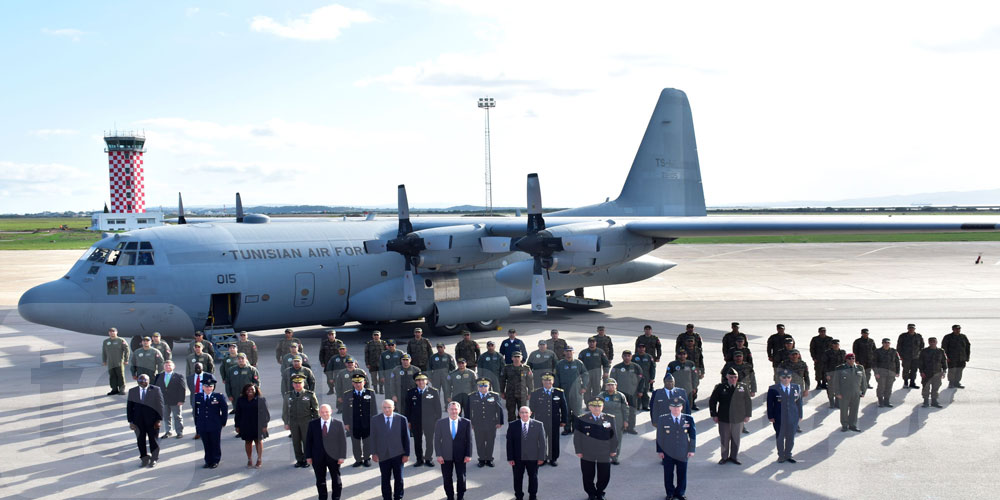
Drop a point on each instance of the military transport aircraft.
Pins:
(254, 274)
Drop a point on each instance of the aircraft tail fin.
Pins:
(665, 179)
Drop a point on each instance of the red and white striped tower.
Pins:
(125, 175)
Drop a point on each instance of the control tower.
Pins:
(125, 175)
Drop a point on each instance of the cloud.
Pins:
(988, 40)
(191, 11)
(46, 132)
(324, 23)
(73, 34)
(29, 182)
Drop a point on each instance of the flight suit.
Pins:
(388, 362)
(605, 344)
(598, 366)
(596, 440)
(886, 371)
(373, 355)
(571, 376)
(286, 379)
(439, 366)
(249, 348)
(652, 343)
(864, 354)
(848, 382)
(648, 366)
(469, 351)
(228, 362)
(800, 372)
(206, 346)
(696, 356)
(832, 359)
(516, 384)
(164, 349)
(817, 348)
(287, 359)
(617, 406)
(508, 346)
(628, 376)
(207, 363)
(420, 352)
(298, 409)
(542, 363)
(932, 363)
(332, 368)
(956, 346)
(238, 378)
(358, 412)
(115, 354)
(549, 408)
(146, 361)
(908, 346)
(490, 366)
(486, 413)
(400, 381)
(423, 409)
(328, 349)
(283, 348)
(686, 376)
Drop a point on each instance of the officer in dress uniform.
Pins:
(359, 408)
(345, 380)
(548, 405)
(675, 444)
(423, 409)
(300, 406)
(595, 442)
(784, 410)
(663, 397)
(847, 383)
(210, 415)
(486, 414)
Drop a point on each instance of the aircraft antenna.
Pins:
(487, 103)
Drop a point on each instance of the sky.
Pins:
(313, 102)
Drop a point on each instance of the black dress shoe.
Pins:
(798, 429)
(112, 393)
(614, 461)
(145, 461)
(733, 460)
(418, 463)
(357, 464)
(489, 463)
(214, 466)
(855, 429)
(959, 386)
(723, 461)
(782, 460)
(553, 463)
(368, 463)
(206, 466)
(745, 431)
(165, 436)
(936, 405)
(152, 463)
(790, 460)
(481, 464)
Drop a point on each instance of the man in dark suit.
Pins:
(326, 449)
(784, 410)
(210, 415)
(171, 384)
(144, 411)
(390, 448)
(359, 408)
(548, 404)
(525, 451)
(195, 387)
(422, 408)
(453, 442)
(675, 443)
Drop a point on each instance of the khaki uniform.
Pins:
(298, 409)
(516, 384)
(148, 361)
(115, 354)
(848, 382)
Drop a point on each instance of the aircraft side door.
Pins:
(305, 288)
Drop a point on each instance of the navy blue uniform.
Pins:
(210, 415)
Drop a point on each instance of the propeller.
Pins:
(409, 245)
(239, 208)
(180, 210)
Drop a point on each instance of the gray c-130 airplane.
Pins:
(454, 272)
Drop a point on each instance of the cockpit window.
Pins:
(145, 245)
(113, 286)
(94, 270)
(99, 255)
(128, 285)
(132, 245)
(127, 259)
(113, 257)
(120, 246)
(145, 258)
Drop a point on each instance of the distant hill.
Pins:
(989, 197)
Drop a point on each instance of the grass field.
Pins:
(844, 238)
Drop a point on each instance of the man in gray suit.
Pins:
(453, 442)
(390, 448)
(525, 451)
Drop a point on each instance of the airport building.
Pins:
(126, 179)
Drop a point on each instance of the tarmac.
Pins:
(61, 437)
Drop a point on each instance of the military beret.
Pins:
(849, 355)
(548, 376)
(241, 355)
(887, 340)
(146, 338)
(420, 376)
(911, 325)
(610, 381)
(780, 325)
(835, 341)
(667, 376)
(349, 359)
(784, 373)
(794, 351)
(595, 402)
(789, 341)
(358, 378)
(626, 351)
(732, 371)
(864, 330)
(738, 353)
(542, 342)
(689, 325)
(735, 323)
(406, 357)
(676, 402)
(156, 334)
(516, 354)
(440, 344)
(483, 382)
(568, 348)
(390, 342)
(298, 379)
(297, 358)
(460, 360)
(490, 342)
(208, 379)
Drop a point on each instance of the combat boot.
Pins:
(935, 404)
(926, 404)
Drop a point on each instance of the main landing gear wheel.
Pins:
(446, 330)
(484, 326)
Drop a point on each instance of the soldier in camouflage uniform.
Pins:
(146, 360)
(780, 356)
(689, 381)
(330, 347)
(389, 361)
(933, 364)
(468, 350)
(729, 342)
(542, 361)
(741, 346)
(799, 370)
(572, 377)
(832, 358)
(556, 344)
(439, 366)
(401, 380)
(597, 364)
(199, 338)
(817, 349)
(333, 368)
(847, 382)
(689, 334)
(115, 355)
(459, 384)
(419, 349)
(908, 345)
(283, 346)
(373, 355)
(645, 361)
(605, 344)
(516, 384)
(864, 353)
(161, 346)
(239, 375)
(628, 376)
(776, 341)
(248, 347)
(294, 352)
(299, 407)
(342, 383)
(651, 342)
(886, 371)
(297, 369)
(490, 364)
(744, 371)
(616, 405)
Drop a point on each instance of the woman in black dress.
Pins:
(251, 421)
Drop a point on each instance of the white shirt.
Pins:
(325, 424)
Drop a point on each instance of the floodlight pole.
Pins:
(487, 103)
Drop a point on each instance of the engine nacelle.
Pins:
(615, 244)
(467, 311)
(518, 274)
(463, 252)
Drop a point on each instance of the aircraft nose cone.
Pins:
(47, 304)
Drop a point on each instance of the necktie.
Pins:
(357, 393)
(324, 428)
(786, 390)
(677, 421)
(388, 422)
(524, 430)
(454, 428)
(197, 383)
(142, 395)
(166, 379)
(670, 393)
(596, 418)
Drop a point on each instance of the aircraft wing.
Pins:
(677, 227)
